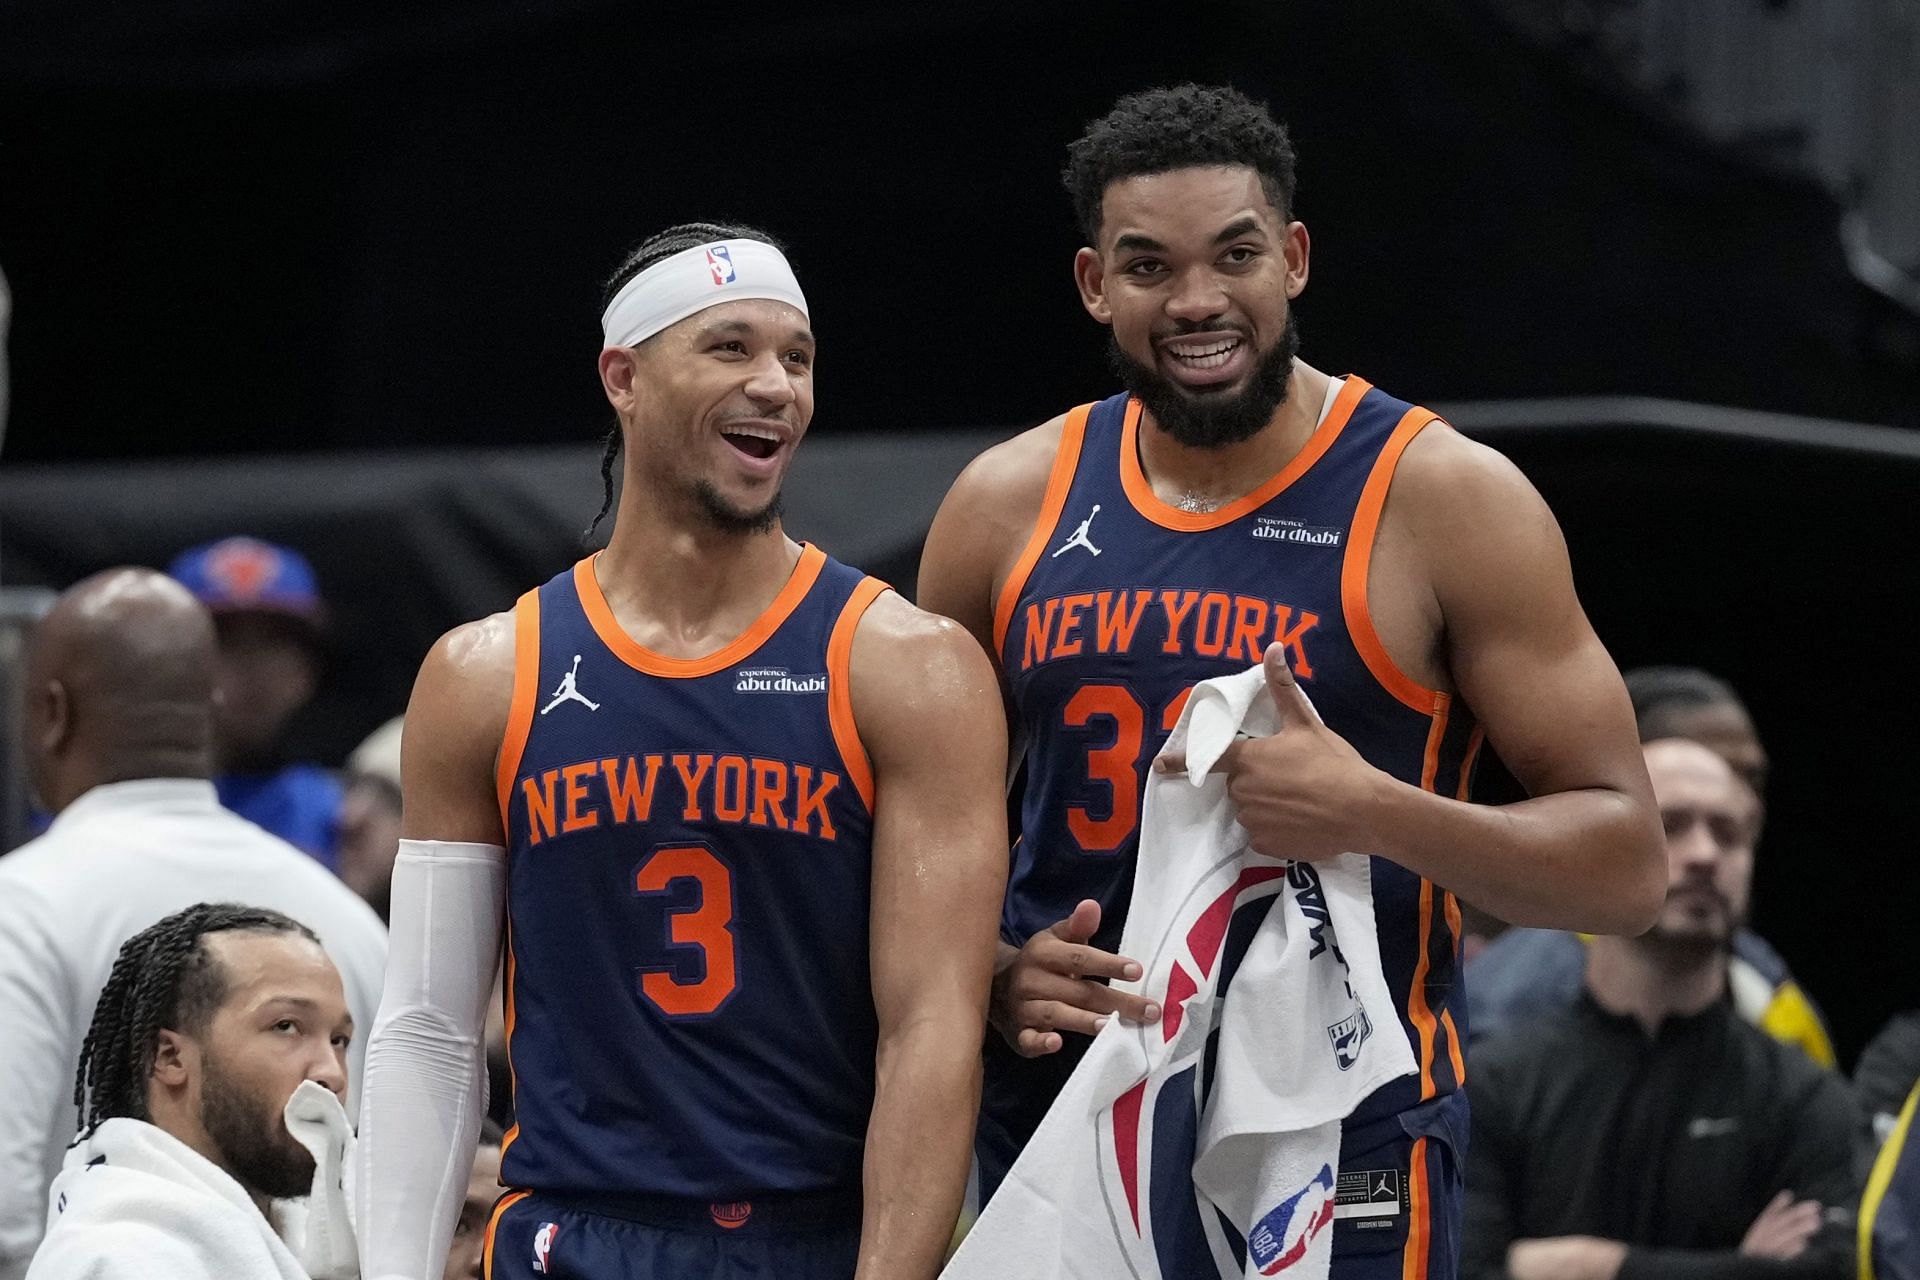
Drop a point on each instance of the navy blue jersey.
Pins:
(1121, 603)
(689, 1011)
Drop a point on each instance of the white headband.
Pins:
(691, 281)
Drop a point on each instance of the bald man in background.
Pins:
(117, 739)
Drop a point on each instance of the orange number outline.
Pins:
(708, 926)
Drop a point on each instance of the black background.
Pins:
(258, 227)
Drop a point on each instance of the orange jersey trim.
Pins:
(1418, 1011)
(1436, 738)
(641, 658)
(1450, 909)
(505, 1203)
(508, 1018)
(846, 734)
(1353, 573)
(1066, 460)
(1474, 739)
(526, 690)
(1167, 516)
(1413, 1261)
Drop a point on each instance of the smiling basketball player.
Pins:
(1232, 501)
(743, 806)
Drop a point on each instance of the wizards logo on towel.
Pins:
(720, 262)
(1348, 1035)
(1282, 1238)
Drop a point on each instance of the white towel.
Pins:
(1160, 1158)
(134, 1201)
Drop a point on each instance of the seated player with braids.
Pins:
(211, 1021)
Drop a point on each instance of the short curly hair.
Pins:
(1186, 126)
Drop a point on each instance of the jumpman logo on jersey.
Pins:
(1080, 538)
(569, 690)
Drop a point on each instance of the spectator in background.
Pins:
(1889, 1069)
(211, 1022)
(466, 1260)
(1890, 1209)
(117, 739)
(1649, 1132)
(1526, 974)
(370, 816)
(266, 604)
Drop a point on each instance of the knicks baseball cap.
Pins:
(247, 575)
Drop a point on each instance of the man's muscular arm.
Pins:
(1585, 851)
(425, 1088)
(1042, 989)
(927, 707)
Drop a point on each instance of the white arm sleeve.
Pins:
(426, 1081)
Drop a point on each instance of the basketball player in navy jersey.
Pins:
(1235, 504)
(742, 806)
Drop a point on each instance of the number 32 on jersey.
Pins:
(1114, 712)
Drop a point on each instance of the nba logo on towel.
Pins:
(543, 1245)
(1282, 1238)
(720, 262)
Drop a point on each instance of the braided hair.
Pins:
(654, 249)
(163, 979)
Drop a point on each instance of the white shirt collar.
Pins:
(142, 795)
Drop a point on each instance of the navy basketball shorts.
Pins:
(1401, 1195)
(532, 1236)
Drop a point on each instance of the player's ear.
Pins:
(1090, 274)
(1297, 251)
(50, 716)
(619, 368)
(172, 1059)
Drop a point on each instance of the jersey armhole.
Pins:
(1065, 461)
(526, 687)
(846, 734)
(1359, 560)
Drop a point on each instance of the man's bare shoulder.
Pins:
(467, 677)
(909, 665)
(1005, 486)
(1447, 485)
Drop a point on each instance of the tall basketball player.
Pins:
(743, 807)
(1233, 502)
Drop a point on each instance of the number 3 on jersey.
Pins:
(1117, 764)
(699, 937)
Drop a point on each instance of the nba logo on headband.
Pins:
(695, 279)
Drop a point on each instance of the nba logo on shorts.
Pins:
(543, 1245)
(720, 262)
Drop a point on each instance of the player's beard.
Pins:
(727, 518)
(250, 1131)
(1210, 419)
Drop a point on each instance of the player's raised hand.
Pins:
(1302, 793)
(1048, 987)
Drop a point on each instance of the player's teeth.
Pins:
(1197, 355)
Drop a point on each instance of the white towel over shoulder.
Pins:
(133, 1201)
(1209, 1144)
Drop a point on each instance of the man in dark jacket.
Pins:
(1651, 1132)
